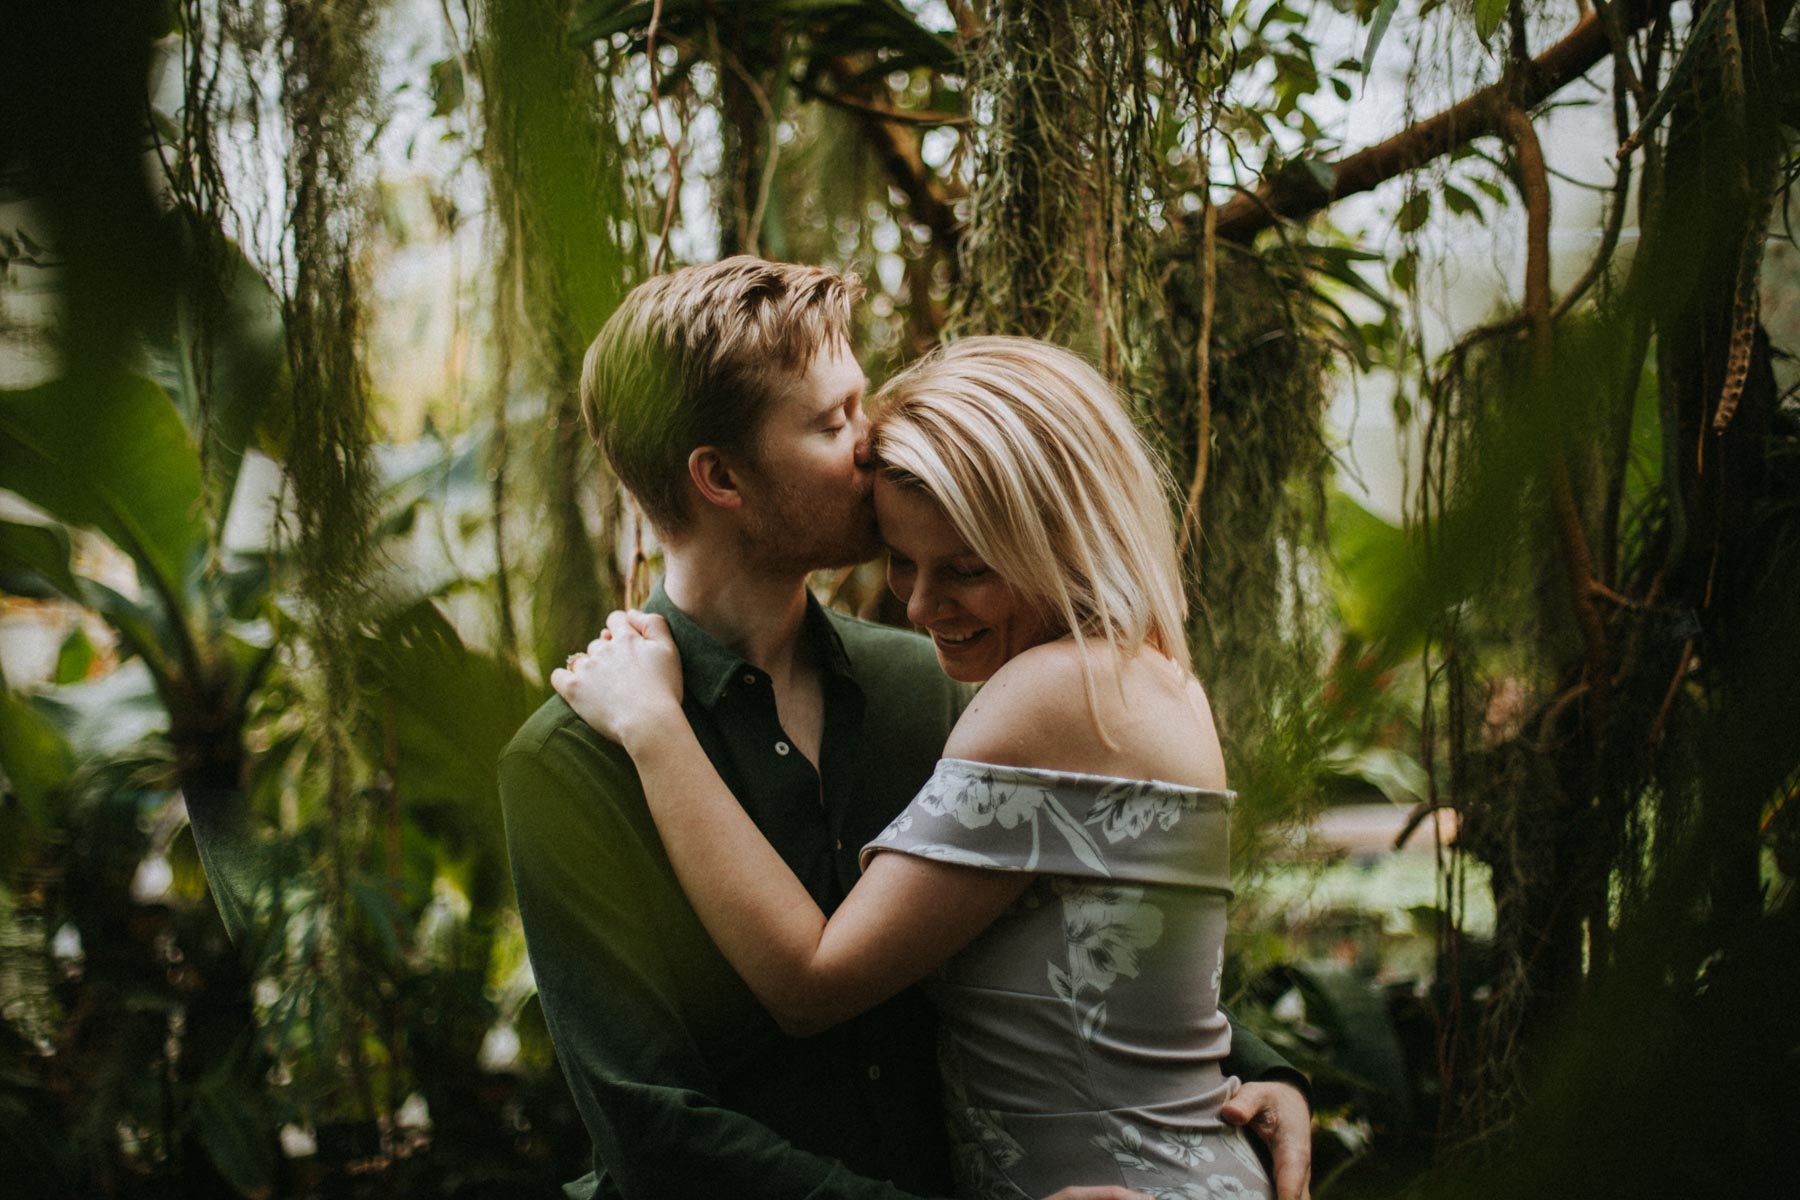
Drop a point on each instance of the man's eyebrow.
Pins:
(831, 406)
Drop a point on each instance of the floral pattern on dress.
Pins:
(1186, 1146)
(981, 1146)
(1106, 928)
(1216, 1187)
(1126, 809)
(960, 855)
(1128, 875)
(1126, 1148)
(977, 799)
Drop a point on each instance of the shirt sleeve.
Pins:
(591, 884)
(1254, 1061)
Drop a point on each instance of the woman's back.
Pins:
(1081, 1036)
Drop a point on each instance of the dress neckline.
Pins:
(1087, 778)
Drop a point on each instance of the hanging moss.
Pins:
(1256, 617)
(1059, 239)
(565, 257)
(327, 105)
(1093, 125)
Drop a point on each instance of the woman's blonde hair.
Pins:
(1032, 457)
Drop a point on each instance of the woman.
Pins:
(1064, 871)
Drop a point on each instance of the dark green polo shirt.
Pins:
(685, 1083)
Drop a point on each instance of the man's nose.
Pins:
(865, 445)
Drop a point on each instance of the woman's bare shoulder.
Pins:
(1154, 721)
(1034, 712)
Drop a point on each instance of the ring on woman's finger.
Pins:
(569, 662)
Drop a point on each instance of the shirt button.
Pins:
(874, 1073)
(782, 747)
(749, 679)
(840, 843)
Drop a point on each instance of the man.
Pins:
(728, 402)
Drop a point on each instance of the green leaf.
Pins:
(446, 87)
(446, 713)
(1488, 14)
(383, 916)
(109, 452)
(596, 19)
(1360, 1042)
(1460, 202)
(35, 559)
(1493, 191)
(241, 319)
(104, 717)
(75, 658)
(1415, 210)
(1396, 774)
(1378, 26)
(1404, 270)
(1373, 562)
(36, 758)
(230, 1119)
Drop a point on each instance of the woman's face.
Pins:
(975, 619)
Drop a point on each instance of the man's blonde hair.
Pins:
(692, 358)
(1033, 459)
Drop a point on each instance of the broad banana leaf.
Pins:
(110, 452)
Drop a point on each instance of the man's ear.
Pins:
(715, 477)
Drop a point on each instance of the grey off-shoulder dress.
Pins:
(1080, 1033)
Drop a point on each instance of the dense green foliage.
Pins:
(1581, 641)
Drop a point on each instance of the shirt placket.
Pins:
(779, 788)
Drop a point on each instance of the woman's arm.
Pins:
(904, 917)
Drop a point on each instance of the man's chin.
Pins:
(784, 555)
(857, 546)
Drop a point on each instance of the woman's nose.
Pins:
(924, 604)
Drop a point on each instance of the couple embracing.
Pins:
(749, 826)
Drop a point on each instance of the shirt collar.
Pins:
(708, 669)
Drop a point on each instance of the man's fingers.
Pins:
(1277, 1114)
(1292, 1169)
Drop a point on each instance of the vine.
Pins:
(328, 82)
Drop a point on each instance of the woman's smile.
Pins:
(976, 620)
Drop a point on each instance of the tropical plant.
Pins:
(1580, 631)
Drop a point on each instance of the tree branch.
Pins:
(897, 146)
(1297, 191)
(1534, 188)
(887, 112)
